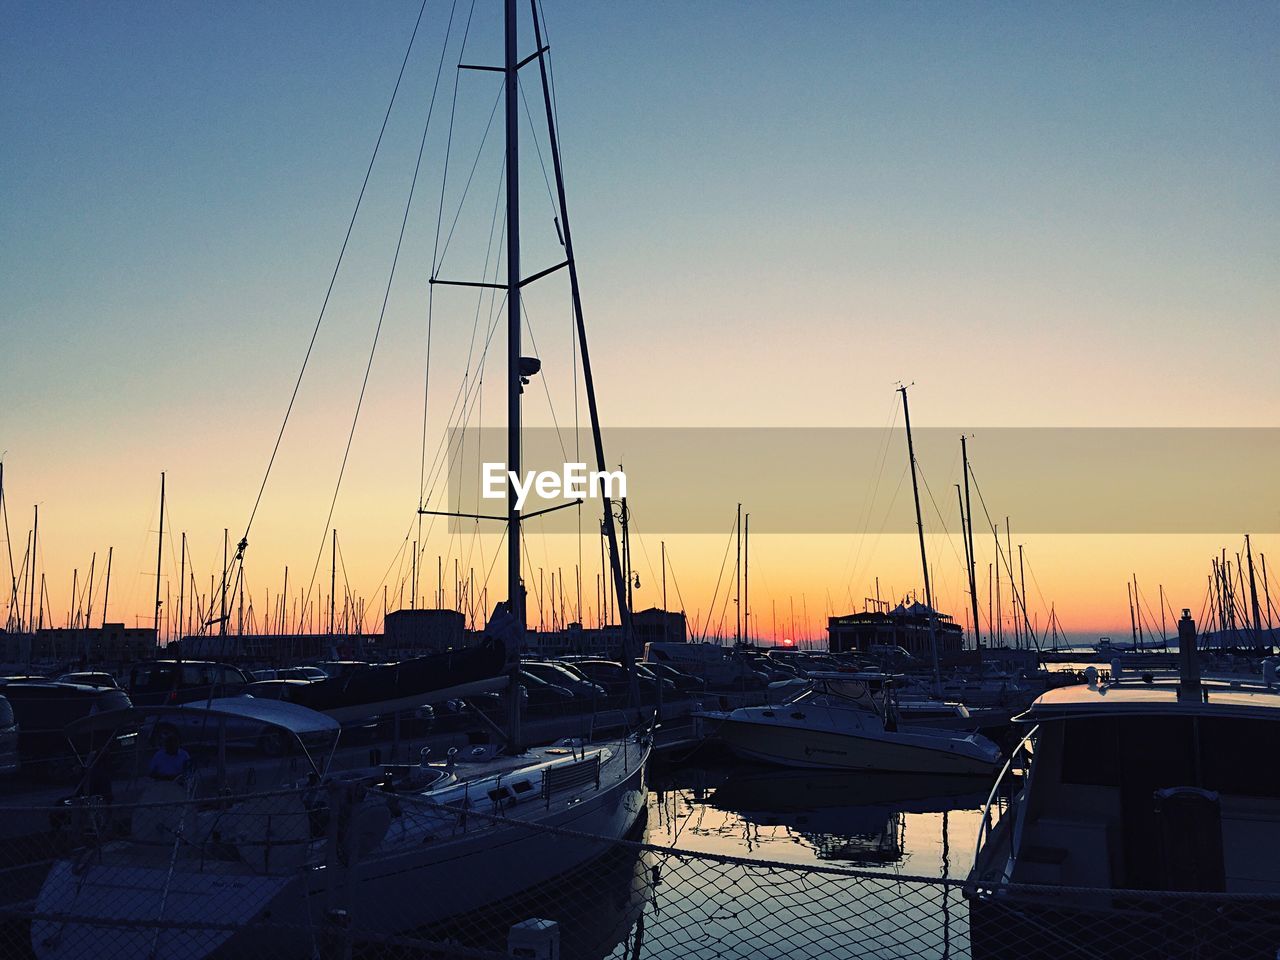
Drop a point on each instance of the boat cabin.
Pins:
(1131, 787)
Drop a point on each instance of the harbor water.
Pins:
(738, 860)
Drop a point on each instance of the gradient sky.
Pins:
(1040, 215)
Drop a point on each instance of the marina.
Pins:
(428, 646)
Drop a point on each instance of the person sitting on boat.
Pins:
(170, 762)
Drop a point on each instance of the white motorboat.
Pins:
(1146, 825)
(837, 725)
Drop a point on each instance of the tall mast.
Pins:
(35, 545)
(746, 578)
(4, 510)
(1253, 585)
(587, 381)
(515, 596)
(1164, 624)
(106, 587)
(663, 545)
(737, 600)
(999, 620)
(968, 562)
(182, 582)
(88, 603)
(222, 602)
(1013, 585)
(1022, 577)
(159, 558)
(924, 558)
(333, 582)
(1266, 592)
(1137, 603)
(1133, 624)
(973, 576)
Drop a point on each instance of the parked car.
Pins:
(42, 711)
(646, 673)
(8, 739)
(562, 675)
(291, 673)
(93, 678)
(543, 696)
(613, 677)
(684, 682)
(172, 681)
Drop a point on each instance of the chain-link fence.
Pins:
(335, 871)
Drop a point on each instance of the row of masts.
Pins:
(1233, 607)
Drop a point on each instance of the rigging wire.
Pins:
(426, 378)
(244, 541)
(382, 313)
(719, 577)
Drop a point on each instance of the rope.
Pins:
(328, 292)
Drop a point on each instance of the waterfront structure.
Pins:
(909, 626)
(411, 633)
(109, 643)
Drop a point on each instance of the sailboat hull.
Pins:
(411, 882)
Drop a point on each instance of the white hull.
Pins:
(411, 880)
(795, 746)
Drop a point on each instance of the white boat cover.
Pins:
(279, 713)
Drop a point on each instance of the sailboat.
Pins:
(378, 852)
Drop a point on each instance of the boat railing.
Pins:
(570, 776)
(1165, 679)
(993, 810)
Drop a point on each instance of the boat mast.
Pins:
(35, 547)
(746, 578)
(973, 576)
(1013, 584)
(106, 587)
(964, 541)
(587, 380)
(159, 557)
(1266, 592)
(1026, 620)
(1253, 586)
(737, 600)
(924, 558)
(1133, 624)
(663, 547)
(13, 602)
(222, 601)
(515, 596)
(1164, 625)
(1137, 603)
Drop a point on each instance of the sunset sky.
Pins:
(1041, 216)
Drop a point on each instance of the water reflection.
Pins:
(633, 903)
(810, 816)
